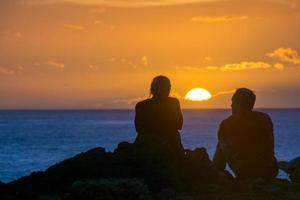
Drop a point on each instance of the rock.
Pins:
(291, 167)
(295, 176)
(2, 184)
(2, 187)
(91, 164)
(108, 189)
(159, 167)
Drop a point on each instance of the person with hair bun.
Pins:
(158, 119)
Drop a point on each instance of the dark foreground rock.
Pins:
(108, 189)
(157, 167)
(292, 168)
(135, 189)
(2, 187)
(132, 172)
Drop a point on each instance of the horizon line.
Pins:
(120, 109)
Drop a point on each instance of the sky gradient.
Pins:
(66, 54)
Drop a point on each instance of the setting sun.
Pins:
(198, 94)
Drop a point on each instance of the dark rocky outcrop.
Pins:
(141, 172)
(157, 166)
(108, 189)
(292, 168)
(2, 186)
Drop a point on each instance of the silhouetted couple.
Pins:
(245, 139)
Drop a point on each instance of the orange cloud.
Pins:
(96, 22)
(286, 55)
(212, 67)
(55, 64)
(144, 60)
(224, 93)
(245, 66)
(98, 10)
(122, 3)
(192, 68)
(278, 66)
(216, 19)
(208, 59)
(6, 71)
(10, 33)
(73, 26)
(94, 67)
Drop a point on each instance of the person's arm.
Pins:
(138, 118)
(178, 115)
(269, 135)
(219, 159)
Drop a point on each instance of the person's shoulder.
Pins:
(173, 100)
(261, 115)
(142, 103)
(227, 121)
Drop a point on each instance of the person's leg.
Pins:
(219, 159)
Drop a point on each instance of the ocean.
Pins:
(36, 139)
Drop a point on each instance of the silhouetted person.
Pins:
(159, 119)
(246, 140)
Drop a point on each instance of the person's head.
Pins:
(243, 100)
(160, 87)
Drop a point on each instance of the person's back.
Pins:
(159, 119)
(250, 139)
(246, 141)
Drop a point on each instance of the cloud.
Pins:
(37, 63)
(94, 67)
(9, 71)
(208, 19)
(192, 68)
(73, 26)
(18, 35)
(128, 62)
(98, 10)
(129, 101)
(144, 60)
(243, 66)
(293, 4)
(224, 93)
(278, 66)
(55, 64)
(10, 33)
(20, 68)
(134, 63)
(286, 55)
(207, 59)
(96, 22)
(118, 3)
(212, 67)
(112, 59)
(123, 102)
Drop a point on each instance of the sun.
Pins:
(198, 94)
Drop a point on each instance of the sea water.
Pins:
(36, 139)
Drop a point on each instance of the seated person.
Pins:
(159, 118)
(246, 141)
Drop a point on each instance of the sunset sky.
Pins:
(66, 54)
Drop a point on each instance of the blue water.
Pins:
(34, 140)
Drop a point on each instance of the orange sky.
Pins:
(104, 53)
